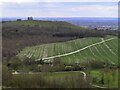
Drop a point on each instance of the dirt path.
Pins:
(67, 54)
(97, 86)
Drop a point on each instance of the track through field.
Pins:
(67, 54)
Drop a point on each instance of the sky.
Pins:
(57, 8)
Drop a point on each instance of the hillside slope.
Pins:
(19, 34)
(83, 51)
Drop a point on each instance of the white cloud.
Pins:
(97, 10)
(95, 7)
(108, 8)
(60, 9)
(17, 1)
(22, 1)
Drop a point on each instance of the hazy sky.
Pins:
(53, 8)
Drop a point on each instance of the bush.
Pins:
(69, 68)
(95, 64)
(28, 61)
(15, 63)
(78, 67)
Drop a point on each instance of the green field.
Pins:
(107, 78)
(49, 80)
(76, 51)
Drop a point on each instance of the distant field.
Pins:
(70, 52)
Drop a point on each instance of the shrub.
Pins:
(69, 68)
(95, 64)
(15, 63)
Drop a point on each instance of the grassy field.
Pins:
(99, 77)
(49, 80)
(70, 52)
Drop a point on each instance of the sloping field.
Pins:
(76, 51)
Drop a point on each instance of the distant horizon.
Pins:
(63, 18)
(58, 17)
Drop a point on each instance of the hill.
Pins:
(55, 48)
(84, 51)
(41, 23)
(20, 34)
